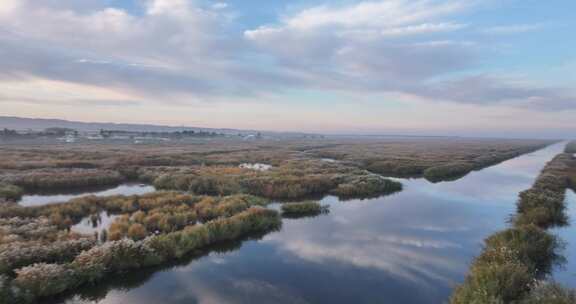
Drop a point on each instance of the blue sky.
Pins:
(432, 67)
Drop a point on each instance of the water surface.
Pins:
(411, 247)
(90, 225)
(567, 274)
(123, 189)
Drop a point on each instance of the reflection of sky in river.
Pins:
(411, 247)
(86, 226)
(43, 199)
(567, 275)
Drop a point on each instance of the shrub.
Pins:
(112, 257)
(448, 171)
(53, 179)
(137, 231)
(570, 147)
(16, 255)
(541, 207)
(366, 186)
(118, 228)
(8, 293)
(10, 192)
(550, 293)
(532, 246)
(43, 280)
(303, 209)
(292, 180)
(494, 283)
(289, 186)
(395, 168)
(543, 204)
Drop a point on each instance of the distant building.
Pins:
(256, 166)
(69, 138)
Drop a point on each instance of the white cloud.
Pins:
(395, 46)
(174, 48)
(169, 7)
(354, 47)
(512, 29)
(424, 28)
(374, 14)
(177, 51)
(219, 5)
(7, 7)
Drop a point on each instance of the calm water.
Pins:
(43, 199)
(411, 247)
(567, 274)
(89, 227)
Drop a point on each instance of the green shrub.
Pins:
(54, 179)
(303, 209)
(395, 168)
(17, 255)
(550, 293)
(532, 246)
(448, 171)
(366, 186)
(290, 181)
(8, 293)
(10, 192)
(288, 187)
(510, 262)
(570, 147)
(112, 257)
(494, 283)
(43, 280)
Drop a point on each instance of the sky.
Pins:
(419, 67)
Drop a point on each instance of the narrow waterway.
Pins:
(411, 247)
(50, 198)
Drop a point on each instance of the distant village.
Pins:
(67, 135)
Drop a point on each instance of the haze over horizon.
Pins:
(428, 67)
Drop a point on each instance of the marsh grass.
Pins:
(448, 172)
(10, 192)
(571, 147)
(436, 160)
(44, 280)
(52, 179)
(292, 180)
(303, 209)
(369, 186)
(550, 293)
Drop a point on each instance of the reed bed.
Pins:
(40, 257)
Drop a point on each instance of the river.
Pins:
(39, 199)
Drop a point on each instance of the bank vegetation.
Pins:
(515, 262)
